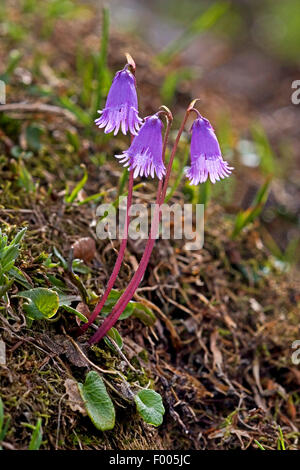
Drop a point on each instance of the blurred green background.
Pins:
(273, 26)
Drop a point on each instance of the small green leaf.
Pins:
(115, 335)
(97, 402)
(75, 312)
(143, 313)
(4, 422)
(24, 177)
(150, 406)
(77, 264)
(61, 258)
(133, 308)
(42, 303)
(56, 282)
(8, 258)
(37, 436)
(111, 301)
(19, 237)
(71, 198)
(259, 445)
(280, 443)
(93, 197)
(9, 253)
(79, 267)
(19, 277)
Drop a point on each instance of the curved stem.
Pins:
(167, 177)
(118, 264)
(111, 319)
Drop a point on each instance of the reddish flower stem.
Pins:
(118, 264)
(111, 319)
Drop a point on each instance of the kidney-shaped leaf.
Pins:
(97, 402)
(150, 406)
(42, 303)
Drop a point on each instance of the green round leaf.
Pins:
(42, 303)
(150, 406)
(97, 402)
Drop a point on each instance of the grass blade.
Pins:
(248, 216)
(71, 198)
(202, 23)
(103, 75)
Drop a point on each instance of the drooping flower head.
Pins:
(206, 157)
(121, 108)
(145, 153)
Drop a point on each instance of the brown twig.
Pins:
(38, 108)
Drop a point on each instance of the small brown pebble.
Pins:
(85, 249)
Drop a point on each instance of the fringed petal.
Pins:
(214, 167)
(144, 156)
